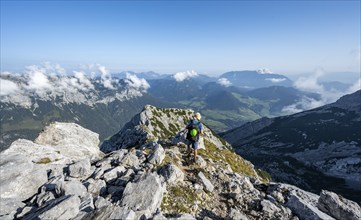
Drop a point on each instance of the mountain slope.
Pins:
(256, 79)
(66, 178)
(319, 148)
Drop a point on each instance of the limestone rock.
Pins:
(130, 160)
(171, 173)
(206, 183)
(66, 207)
(70, 140)
(9, 207)
(235, 214)
(157, 156)
(114, 212)
(74, 188)
(114, 173)
(17, 176)
(80, 169)
(150, 199)
(338, 207)
(95, 187)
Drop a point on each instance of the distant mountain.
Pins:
(256, 79)
(144, 75)
(101, 105)
(319, 148)
(335, 85)
(280, 96)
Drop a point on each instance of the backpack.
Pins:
(193, 131)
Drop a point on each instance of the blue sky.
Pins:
(207, 36)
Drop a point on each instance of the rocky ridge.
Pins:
(147, 176)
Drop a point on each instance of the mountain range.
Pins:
(314, 149)
(144, 172)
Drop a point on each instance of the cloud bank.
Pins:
(313, 85)
(264, 71)
(224, 82)
(276, 80)
(180, 76)
(90, 85)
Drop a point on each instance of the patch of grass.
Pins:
(237, 163)
(178, 200)
(265, 177)
(44, 160)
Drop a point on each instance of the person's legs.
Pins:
(195, 148)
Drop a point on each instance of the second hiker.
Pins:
(195, 129)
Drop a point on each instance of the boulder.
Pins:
(113, 174)
(130, 160)
(184, 217)
(205, 182)
(171, 173)
(201, 162)
(271, 210)
(157, 156)
(17, 176)
(95, 187)
(71, 140)
(302, 203)
(338, 207)
(55, 184)
(235, 214)
(80, 169)
(9, 207)
(66, 207)
(74, 188)
(114, 212)
(151, 198)
(44, 197)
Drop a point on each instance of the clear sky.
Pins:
(207, 36)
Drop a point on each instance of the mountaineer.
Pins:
(195, 129)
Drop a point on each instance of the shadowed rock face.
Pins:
(316, 149)
(151, 179)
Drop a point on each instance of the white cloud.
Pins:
(311, 84)
(276, 80)
(8, 87)
(180, 76)
(106, 78)
(38, 80)
(83, 79)
(224, 82)
(136, 83)
(264, 71)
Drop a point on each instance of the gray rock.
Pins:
(151, 198)
(44, 197)
(74, 188)
(114, 212)
(17, 176)
(201, 162)
(159, 216)
(338, 207)
(113, 174)
(55, 184)
(271, 210)
(101, 202)
(184, 217)
(205, 182)
(130, 160)
(66, 207)
(71, 140)
(171, 173)
(115, 190)
(87, 204)
(302, 203)
(157, 156)
(9, 207)
(125, 178)
(24, 211)
(235, 214)
(96, 187)
(80, 169)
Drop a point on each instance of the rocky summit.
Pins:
(145, 172)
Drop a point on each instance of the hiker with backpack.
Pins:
(195, 129)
